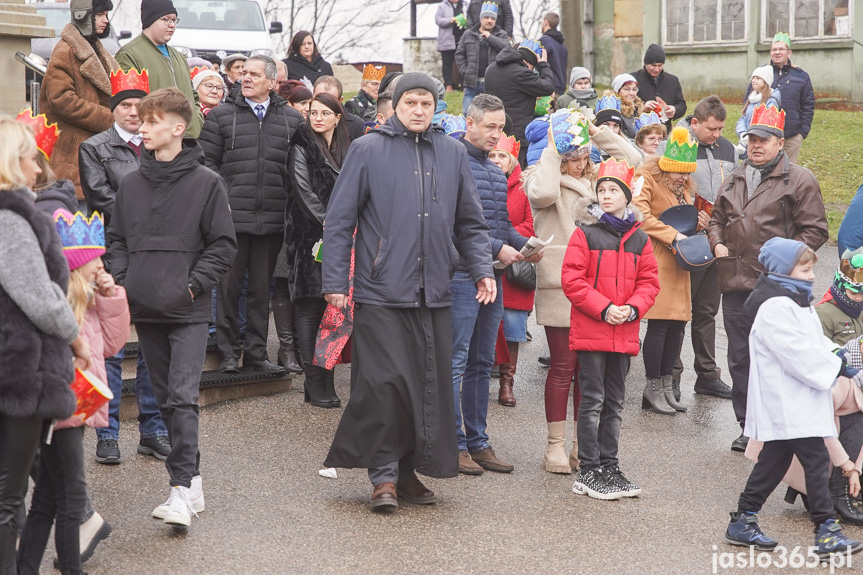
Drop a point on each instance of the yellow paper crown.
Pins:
(372, 73)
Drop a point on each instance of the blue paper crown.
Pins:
(488, 7)
(610, 102)
(569, 130)
(532, 45)
(647, 120)
(454, 126)
(80, 232)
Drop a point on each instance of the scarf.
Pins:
(619, 225)
(848, 307)
(754, 97)
(793, 284)
(583, 94)
(755, 174)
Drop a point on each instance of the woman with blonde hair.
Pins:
(39, 335)
(559, 187)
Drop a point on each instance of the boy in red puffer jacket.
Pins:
(610, 276)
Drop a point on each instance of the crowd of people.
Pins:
(193, 198)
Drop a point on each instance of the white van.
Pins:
(223, 27)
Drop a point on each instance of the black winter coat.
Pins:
(512, 81)
(252, 157)
(505, 17)
(104, 160)
(363, 106)
(407, 195)
(59, 195)
(312, 181)
(299, 68)
(35, 368)
(553, 43)
(666, 87)
(171, 232)
(467, 54)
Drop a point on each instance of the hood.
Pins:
(62, 191)
(299, 60)
(158, 173)
(555, 34)
(509, 55)
(513, 181)
(393, 127)
(473, 150)
(766, 288)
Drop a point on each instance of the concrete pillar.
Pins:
(421, 55)
(19, 22)
(571, 28)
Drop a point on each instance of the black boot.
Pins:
(791, 497)
(329, 381)
(315, 392)
(283, 317)
(849, 514)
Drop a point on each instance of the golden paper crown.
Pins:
(131, 80)
(46, 135)
(619, 171)
(372, 73)
(508, 144)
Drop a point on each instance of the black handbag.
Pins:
(522, 274)
(694, 252)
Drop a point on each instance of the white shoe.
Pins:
(91, 533)
(196, 496)
(179, 508)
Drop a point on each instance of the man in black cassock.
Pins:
(409, 192)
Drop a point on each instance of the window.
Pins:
(705, 21)
(807, 19)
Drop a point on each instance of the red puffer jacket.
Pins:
(517, 297)
(602, 268)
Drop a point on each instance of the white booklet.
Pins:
(532, 246)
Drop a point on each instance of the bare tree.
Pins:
(528, 16)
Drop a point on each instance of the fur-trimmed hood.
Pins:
(583, 216)
(96, 62)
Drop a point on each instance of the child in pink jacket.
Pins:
(61, 490)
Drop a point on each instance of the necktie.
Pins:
(259, 110)
(136, 147)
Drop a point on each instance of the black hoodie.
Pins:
(553, 43)
(60, 194)
(171, 232)
(766, 288)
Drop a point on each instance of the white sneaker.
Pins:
(179, 508)
(196, 496)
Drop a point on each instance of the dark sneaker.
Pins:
(594, 484)
(830, 539)
(544, 360)
(744, 530)
(615, 476)
(714, 387)
(108, 452)
(740, 443)
(159, 447)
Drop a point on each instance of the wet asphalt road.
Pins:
(268, 510)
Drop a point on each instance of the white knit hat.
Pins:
(620, 80)
(203, 75)
(765, 73)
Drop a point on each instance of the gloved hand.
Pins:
(846, 370)
(857, 379)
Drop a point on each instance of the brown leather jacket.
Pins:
(786, 204)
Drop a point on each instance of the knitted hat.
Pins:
(654, 55)
(131, 84)
(152, 10)
(83, 238)
(488, 9)
(681, 152)
(765, 73)
(780, 255)
(414, 81)
(577, 74)
(201, 74)
(388, 80)
(618, 172)
(620, 80)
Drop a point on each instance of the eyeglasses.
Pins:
(323, 115)
(214, 88)
(779, 50)
(170, 21)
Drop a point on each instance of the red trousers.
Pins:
(562, 374)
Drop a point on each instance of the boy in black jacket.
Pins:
(171, 239)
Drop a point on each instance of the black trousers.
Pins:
(772, 464)
(61, 494)
(175, 357)
(662, 344)
(308, 312)
(257, 254)
(448, 59)
(705, 306)
(601, 378)
(19, 440)
(738, 324)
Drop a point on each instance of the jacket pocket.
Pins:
(157, 281)
(378, 262)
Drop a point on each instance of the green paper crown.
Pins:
(783, 37)
(681, 152)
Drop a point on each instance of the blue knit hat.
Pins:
(780, 255)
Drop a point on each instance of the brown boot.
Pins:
(489, 461)
(507, 376)
(412, 490)
(554, 460)
(466, 465)
(384, 498)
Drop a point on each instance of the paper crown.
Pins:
(132, 80)
(769, 119)
(372, 73)
(454, 126)
(608, 102)
(619, 171)
(542, 106)
(681, 152)
(850, 272)
(46, 134)
(488, 9)
(508, 144)
(83, 238)
(647, 120)
(197, 70)
(569, 131)
(783, 37)
(532, 45)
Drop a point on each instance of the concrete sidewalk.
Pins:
(268, 510)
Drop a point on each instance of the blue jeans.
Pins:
(474, 334)
(149, 420)
(469, 94)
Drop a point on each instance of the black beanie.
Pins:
(528, 56)
(152, 10)
(654, 55)
(414, 81)
(626, 190)
(608, 115)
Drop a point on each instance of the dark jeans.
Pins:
(175, 355)
(257, 256)
(705, 306)
(738, 324)
(772, 464)
(851, 438)
(61, 494)
(662, 344)
(19, 440)
(602, 378)
(149, 419)
(562, 372)
(308, 312)
(448, 59)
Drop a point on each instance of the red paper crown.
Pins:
(131, 80)
(372, 73)
(509, 145)
(46, 135)
(619, 171)
(197, 70)
(769, 116)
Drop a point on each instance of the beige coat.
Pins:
(555, 200)
(674, 299)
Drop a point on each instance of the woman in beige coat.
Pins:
(559, 187)
(666, 182)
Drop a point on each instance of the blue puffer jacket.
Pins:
(851, 228)
(537, 134)
(798, 98)
(491, 183)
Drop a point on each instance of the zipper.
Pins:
(784, 219)
(422, 207)
(259, 200)
(598, 262)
